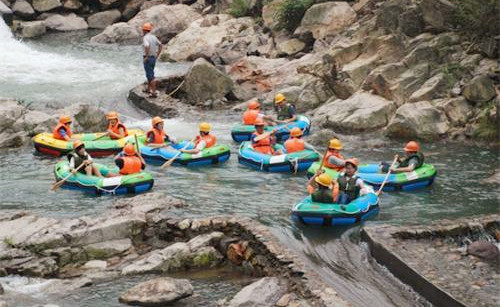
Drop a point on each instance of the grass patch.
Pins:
(240, 8)
(290, 13)
(9, 242)
(477, 19)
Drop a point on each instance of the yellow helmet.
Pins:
(335, 144)
(205, 127)
(279, 98)
(324, 180)
(156, 120)
(112, 115)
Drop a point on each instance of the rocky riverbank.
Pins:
(139, 235)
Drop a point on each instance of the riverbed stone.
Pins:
(23, 9)
(41, 267)
(157, 292)
(70, 22)
(132, 8)
(88, 117)
(34, 122)
(46, 5)
(265, 293)
(458, 110)
(327, 18)
(479, 89)
(107, 249)
(103, 19)
(95, 264)
(484, 249)
(290, 47)
(32, 29)
(72, 5)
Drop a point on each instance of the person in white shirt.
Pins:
(152, 49)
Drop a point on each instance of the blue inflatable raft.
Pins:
(241, 132)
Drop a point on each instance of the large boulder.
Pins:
(31, 29)
(157, 292)
(88, 117)
(204, 82)
(270, 13)
(263, 293)
(131, 8)
(23, 9)
(438, 14)
(361, 112)
(328, 18)
(34, 122)
(46, 5)
(433, 88)
(458, 110)
(419, 119)
(70, 22)
(10, 112)
(101, 20)
(479, 89)
(167, 20)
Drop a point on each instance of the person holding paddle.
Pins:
(78, 157)
(156, 137)
(333, 159)
(63, 129)
(202, 141)
(412, 160)
(129, 162)
(322, 188)
(261, 141)
(116, 130)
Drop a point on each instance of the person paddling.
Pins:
(322, 188)
(412, 160)
(152, 49)
(295, 142)
(78, 157)
(63, 129)
(285, 111)
(156, 137)
(115, 130)
(261, 141)
(252, 113)
(129, 162)
(333, 159)
(350, 185)
(204, 140)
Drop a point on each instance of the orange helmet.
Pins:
(64, 119)
(77, 144)
(112, 115)
(353, 162)
(129, 149)
(296, 132)
(156, 120)
(147, 27)
(252, 105)
(259, 122)
(412, 146)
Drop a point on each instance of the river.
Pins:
(62, 68)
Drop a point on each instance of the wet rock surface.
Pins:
(157, 292)
(264, 292)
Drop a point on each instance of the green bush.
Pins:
(240, 8)
(488, 125)
(477, 18)
(290, 13)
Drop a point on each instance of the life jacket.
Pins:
(263, 146)
(294, 144)
(209, 139)
(349, 186)
(57, 135)
(158, 136)
(284, 112)
(404, 162)
(250, 116)
(327, 163)
(78, 159)
(116, 129)
(322, 195)
(131, 165)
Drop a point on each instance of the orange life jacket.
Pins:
(250, 116)
(294, 144)
(116, 129)
(131, 165)
(327, 163)
(264, 145)
(57, 135)
(158, 136)
(209, 139)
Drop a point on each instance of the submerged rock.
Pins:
(157, 292)
(484, 250)
(263, 293)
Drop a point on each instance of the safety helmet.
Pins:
(252, 105)
(205, 127)
(112, 115)
(64, 119)
(156, 120)
(129, 149)
(147, 26)
(77, 144)
(335, 144)
(412, 146)
(279, 98)
(352, 161)
(296, 132)
(324, 180)
(259, 122)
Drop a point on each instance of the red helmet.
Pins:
(259, 122)
(252, 105)
(412, 146)
(129, 149)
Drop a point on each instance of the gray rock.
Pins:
(458, 110)
(41, 267)
(419, 119)
(31, 29)
(72, 5)
(88, 117)
(269, 14)
(108, 249)
(96, 264)
(23, 9)
(108, 3)
(263, 293)
(411, 21)
(157, 292)
(70, 22)
(479, 89)
(361, 112)
(46, 5)
(484, 250)
(204, 82)
(433, 88)
(121, 32)
(20, 229)
(493, 179)
(1, 289)
(438, 14)
(132, 8)
(290, 47)
(34, 122)
(103, 19)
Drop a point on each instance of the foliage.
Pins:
(290, 13)
(452, 72)
(477, 19)
(240, 8)
(9, 242)
(488, 125)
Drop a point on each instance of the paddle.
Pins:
(58, 184)
(387, 176)
(169, 162)
(137, 148)
(266, 134)
(100, 137)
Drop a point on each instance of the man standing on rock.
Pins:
(152, 50)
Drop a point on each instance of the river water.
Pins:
(62, 68)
